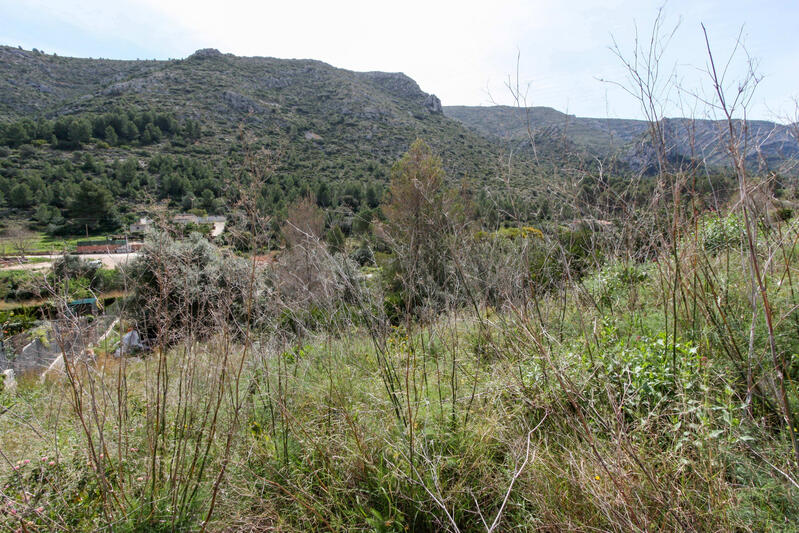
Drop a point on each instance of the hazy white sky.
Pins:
(463, 51)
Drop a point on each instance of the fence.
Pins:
(35, 349)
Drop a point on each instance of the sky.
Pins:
(463, 51)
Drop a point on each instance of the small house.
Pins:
(141, 226)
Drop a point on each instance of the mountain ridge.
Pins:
(34, 83)
(769, 143)
(375, 113)
(183, 131)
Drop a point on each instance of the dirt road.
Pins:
(109, 261)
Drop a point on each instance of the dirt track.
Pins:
(109, 261)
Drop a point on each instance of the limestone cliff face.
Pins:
(400, 85)
(395, 83)
(433, 104)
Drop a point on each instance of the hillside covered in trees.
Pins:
(140, 132)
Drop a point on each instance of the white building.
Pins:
(141, 226)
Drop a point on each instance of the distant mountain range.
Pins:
(768, 144)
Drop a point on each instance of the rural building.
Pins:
(141, 226)
(186, 219)
(194, 219)
(218, 222)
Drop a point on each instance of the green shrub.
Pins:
(363, 256)
(612, 282)
(721, 231)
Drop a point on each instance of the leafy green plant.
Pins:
(721, 231)
(611, 283)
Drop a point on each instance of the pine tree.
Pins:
(20, 196)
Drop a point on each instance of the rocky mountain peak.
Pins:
(433, 104)
(205, 53)
(395, 83)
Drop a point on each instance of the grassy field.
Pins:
(38, 242)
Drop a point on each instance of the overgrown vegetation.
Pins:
(633, 368)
